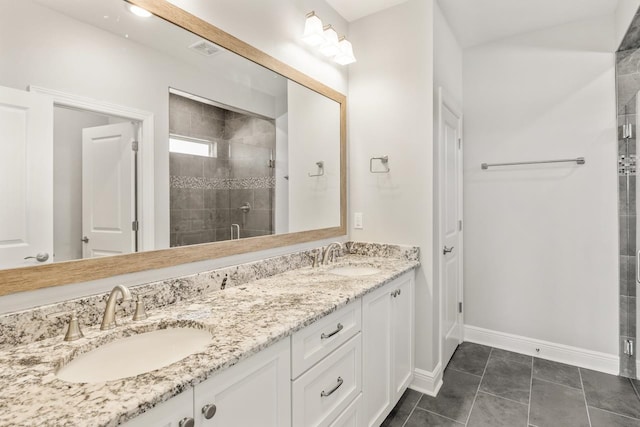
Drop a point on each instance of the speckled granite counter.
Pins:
(242, 320)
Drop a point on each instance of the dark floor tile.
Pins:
(455, 397)
(557, 405)
(556, 372)
(421, 418)
(402, 410)
(496, 353)
(470, 357)
(511, 380)
(491, 411)
(610, 393)
(600, 418)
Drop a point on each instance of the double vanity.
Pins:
(282, 344)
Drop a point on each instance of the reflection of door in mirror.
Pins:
(94, 208)
(221, 172)
(26, 169)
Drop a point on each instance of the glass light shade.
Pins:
(345, 56)
(330, 46)
(313, 31)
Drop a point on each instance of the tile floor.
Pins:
(488, 387)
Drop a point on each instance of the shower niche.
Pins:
(222, 172)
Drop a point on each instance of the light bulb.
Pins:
(138, 11)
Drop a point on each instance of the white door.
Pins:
(26, 178)
(108, 196)
(450, 224)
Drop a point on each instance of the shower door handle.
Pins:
(638, 267)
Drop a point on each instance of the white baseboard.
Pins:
(603, 362)
(427, 382)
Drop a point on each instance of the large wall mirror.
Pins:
(131, 142)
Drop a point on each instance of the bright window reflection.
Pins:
(193, 146)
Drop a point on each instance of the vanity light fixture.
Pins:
(313, 30)
(330, 46)
(326, 39)
(138, 11)
(345, 54)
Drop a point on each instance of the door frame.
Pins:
(145, 157)
(448, 101)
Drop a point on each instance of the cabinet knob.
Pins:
(209, 411)
(186, 422)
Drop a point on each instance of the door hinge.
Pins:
(459, 225)
(134, 145)
(135, 225)
(459, 307)
(628, 347)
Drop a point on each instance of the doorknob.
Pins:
(447, 250)
(40, 257)
(85, 239)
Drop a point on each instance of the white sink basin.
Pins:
(135, 355)
(354, 271)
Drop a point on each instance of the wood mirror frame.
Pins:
(67, 272)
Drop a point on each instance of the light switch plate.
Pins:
(357, 221)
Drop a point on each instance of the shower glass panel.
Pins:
(223, 189)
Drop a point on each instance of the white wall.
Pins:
(391, 113)
(273, 26)
(67, 179)
(625, 12)
(541, 242)
(314, 133)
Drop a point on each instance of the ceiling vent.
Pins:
(206, 48)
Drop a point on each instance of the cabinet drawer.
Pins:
(314, 342)
(328, 388)
(350, 417)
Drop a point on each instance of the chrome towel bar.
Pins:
(579, 161)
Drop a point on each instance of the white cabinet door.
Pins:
(255, 392)
(376, 354)
(26, 178)
(402, 336)
(387, 360)
(166, 414)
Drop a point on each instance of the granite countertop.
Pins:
(242, 320)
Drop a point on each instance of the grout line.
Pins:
(633, 385)
(584, 395)
(614, 413)
(478, 389)
(500, 397)
(463, 372)
(562, 385)
(530, 393)
(413, 409)
(440, 415)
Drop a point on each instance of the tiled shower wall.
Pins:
(206, 192)
(628, 85)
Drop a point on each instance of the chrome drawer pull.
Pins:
(337, 386)
(329, 335)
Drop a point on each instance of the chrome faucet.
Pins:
(329, 252)
(109, 317)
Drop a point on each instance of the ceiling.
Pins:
(477, 22)
(352, 10)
